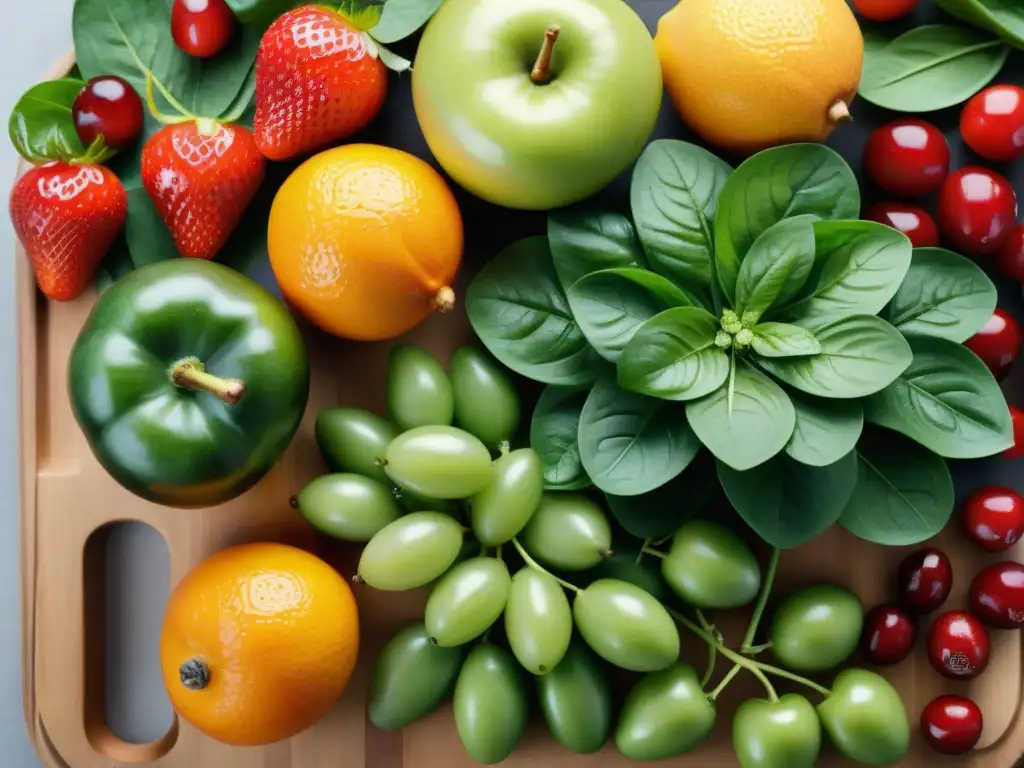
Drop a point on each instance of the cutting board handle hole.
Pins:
(128, 716)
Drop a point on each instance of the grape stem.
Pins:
(762, 600)
(497, 553)
(653, 552)
(537, 567)
(725, 682)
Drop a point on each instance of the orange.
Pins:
(258, 642)
(365, 241)
(749, 74)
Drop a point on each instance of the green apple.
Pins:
(536, 104)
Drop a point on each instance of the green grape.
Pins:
(576, 699)
(486, 402)
(505, 505)
(411, 552)
(439, 462)
(419, 392)
(467, 600)
(626, 626)
(347, 506)
(568, 531)
(354, 440)
(709, 566)
(646, 574)
(490, 704)
(666, 714)
(411, 678)
(538, 620)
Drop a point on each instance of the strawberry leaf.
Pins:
(364, 14)
(392, 60)
(41, 126)
(400, 18)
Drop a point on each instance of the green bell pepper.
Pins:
(189, 381)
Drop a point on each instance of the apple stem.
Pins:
(542, 68)
(839, 112)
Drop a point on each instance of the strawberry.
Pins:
(316, 83)
(67, 217)
(201, 177)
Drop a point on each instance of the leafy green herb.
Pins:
(148, 238)
(931, 68)
(1002, 17)
(631, 444)
(944, 294)
(554, 435)
(777, 184)
(904, 492)
(784, 340)
(826, 430)
(674, 197)
(946, 400)
(776, 268)
(41, 126)
(612, 304)
(674, 356)
(788, 503)
(590, 241)
(521, 315)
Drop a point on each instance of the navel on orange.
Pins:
(365, 241)
(258, 642)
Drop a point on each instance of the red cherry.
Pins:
(924, 581)
(884, 10)
(912, 220)
(977, 210)
(998, 343)
(889, 635)
(108, 106)
(994, 518)
(997, 595)
(1010, 258)
(1017, 449)
(907, 157)
(958, 645)
(202, 28)
(951, 725)
(992, 123)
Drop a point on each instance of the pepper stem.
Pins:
(194, 674)
(189, 374)
(839, 112)
(542, 68)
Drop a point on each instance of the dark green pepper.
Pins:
(189, 381)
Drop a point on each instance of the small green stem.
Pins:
(725, 682)
(652, 552)
(753, 650)
(712, 658)
(640, 554)
(778, 672)
(762, 601)
(497, 553)
(537, 567)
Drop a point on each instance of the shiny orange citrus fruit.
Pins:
(258, 642)
(365, 241)
(749, 74)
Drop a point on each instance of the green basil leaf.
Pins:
(674, 197)
(518, 310)
(749, 430)
(631, 444)
(826, 430)
(660, 512)
(1002, 17)
(554, 435)
(590, 241)
(41, 126)
(859, 267)
(946, 400)
(777, 184)
(787, 503)
(400, 18)
(944, 295)
(860, 355)
(776, 268)
(931, 68)
(612, 304)
(784, 340)
(365, 14)
(148, 238)
(673, 356)
(904, 492)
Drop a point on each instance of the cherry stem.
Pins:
(756, 649)
(725, 682)
(839, 112)
(712, 658)
(542, 68)
(537, 567)
(762, 601)
(189, 374)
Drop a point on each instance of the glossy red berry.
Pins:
(977, 210)
(884, 10)
(998, 343)
(924, 581)
(202, 28)
(1016, 451)
(889, 635)
(1010, 258)
(994, 518)
(912, 220)
(958, 645)
(951, 725)
(108, 106)
(992, 123)
(907, 157)
(997, 595)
